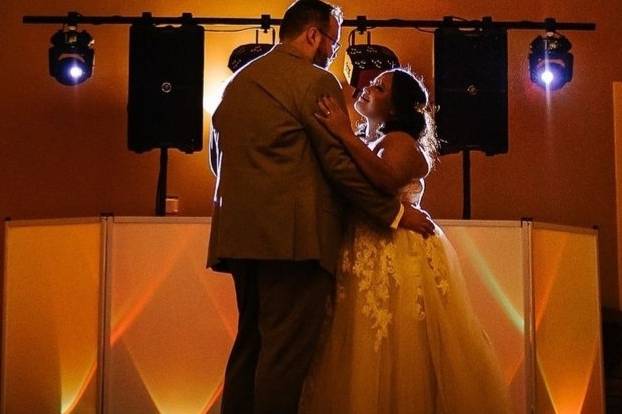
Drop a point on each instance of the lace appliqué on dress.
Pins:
(370, 260)
(437, 262)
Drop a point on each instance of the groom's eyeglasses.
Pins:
(335, 44)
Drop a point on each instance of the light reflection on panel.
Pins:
(567, 322)
(52, 291)
(492, 263)
(172, 321)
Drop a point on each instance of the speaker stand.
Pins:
(160, 207)
(466, 184)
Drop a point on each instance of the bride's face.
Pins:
(375, 101)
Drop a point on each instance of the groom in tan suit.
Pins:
(283, 182)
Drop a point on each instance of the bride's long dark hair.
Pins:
(412, 112)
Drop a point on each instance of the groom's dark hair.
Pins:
(303, 13)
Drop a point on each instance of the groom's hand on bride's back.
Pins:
(417, 220)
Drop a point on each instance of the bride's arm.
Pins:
(398, 162)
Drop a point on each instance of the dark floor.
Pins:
(612, 344)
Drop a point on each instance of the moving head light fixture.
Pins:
(71, 55)
(366, 61)
(244, 54)
(550, 61)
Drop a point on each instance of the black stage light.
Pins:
(550, 61)
(71, 56)
(244, 54)
(364, 62)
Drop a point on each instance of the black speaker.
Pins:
(165, 102)
(471, 82)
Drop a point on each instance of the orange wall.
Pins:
(617, 110)
(63, 150)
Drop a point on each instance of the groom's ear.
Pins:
(312, 36)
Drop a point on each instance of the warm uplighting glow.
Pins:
(172, 321)
(494, 283)
(52, 309)
(494, 277)
(564, 300)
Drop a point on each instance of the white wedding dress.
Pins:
(402, 337)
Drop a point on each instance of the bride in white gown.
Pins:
(403, 337)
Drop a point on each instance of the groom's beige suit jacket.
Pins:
(283, 181)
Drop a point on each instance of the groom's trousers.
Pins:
(282, 306)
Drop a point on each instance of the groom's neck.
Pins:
(302, 49)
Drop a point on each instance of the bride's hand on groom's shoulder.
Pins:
(333, 117)
(417, 220)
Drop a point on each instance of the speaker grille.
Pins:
(471, 78)
(165, 102)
